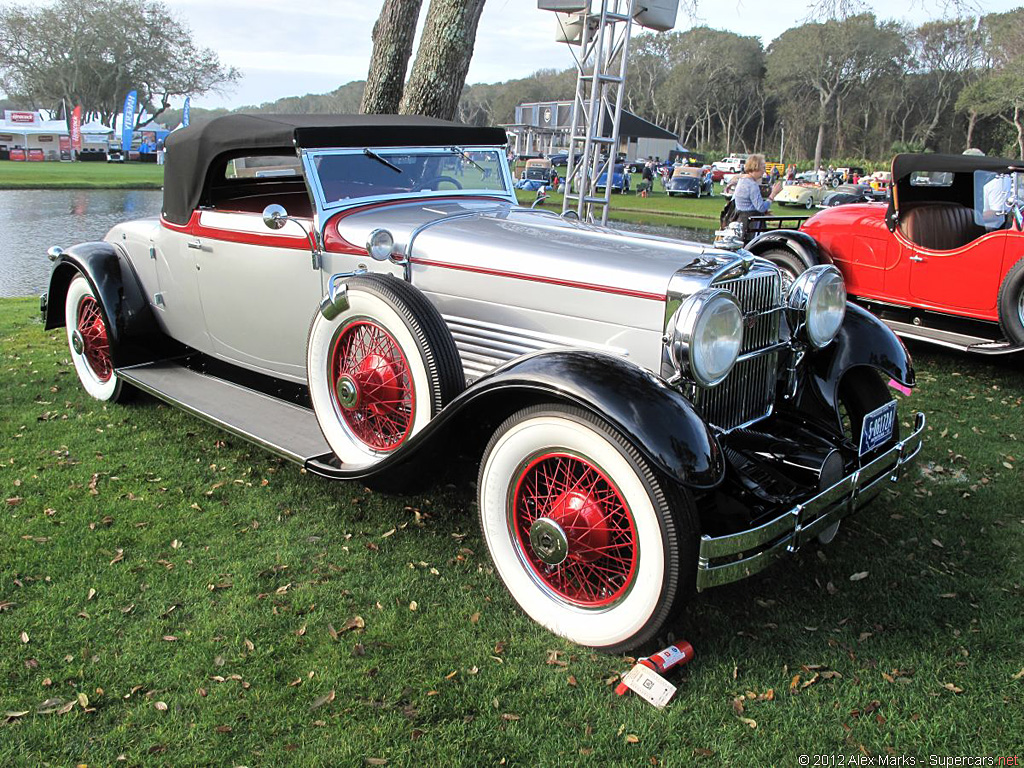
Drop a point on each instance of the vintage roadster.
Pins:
(941, 262)
(651, 416)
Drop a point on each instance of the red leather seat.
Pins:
(940, 226)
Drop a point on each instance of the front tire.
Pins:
(380, 370)
(89, 341)
(786, 261)
(588, 539)
(809, 204)
(1011, 303)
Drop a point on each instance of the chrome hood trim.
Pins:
(481, 235)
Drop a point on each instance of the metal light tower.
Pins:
(604, 29)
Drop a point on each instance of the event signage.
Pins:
(17, 154)
(26, 118)
(65, 148)
(186, 110)
(36, 155)
(128, 120)
(76, 129)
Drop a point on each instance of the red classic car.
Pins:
(942, 261)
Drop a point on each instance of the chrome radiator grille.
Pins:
(749, 391)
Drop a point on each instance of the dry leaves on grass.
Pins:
(320, 701)
(1019, 675)
(953, 688)
(860, 576)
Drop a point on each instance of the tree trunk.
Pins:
(972, 119)
(817, 146)
(1020, 131)
(442, 60)
(392, 45)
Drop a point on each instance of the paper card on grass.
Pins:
(649, 685)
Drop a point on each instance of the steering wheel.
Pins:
(432, 183)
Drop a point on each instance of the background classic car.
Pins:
(620, 179)
(650, 416)
(943, 262)
(690, 180)
(802, 194)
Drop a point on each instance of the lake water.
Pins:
(31, 220)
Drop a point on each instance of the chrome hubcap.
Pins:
(549, 541)
(347, 391)
(77, 342)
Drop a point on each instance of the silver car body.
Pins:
(507, 280)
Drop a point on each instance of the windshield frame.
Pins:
(309, 157)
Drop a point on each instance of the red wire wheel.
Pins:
(372, 385)
(95, 346)
(575, 530)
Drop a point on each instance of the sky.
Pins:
(294, 48)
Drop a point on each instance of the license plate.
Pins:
(878, 427)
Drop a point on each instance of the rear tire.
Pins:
(89, 342)
(590, 541)
(1011, 303)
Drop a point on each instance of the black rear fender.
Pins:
(134, 334)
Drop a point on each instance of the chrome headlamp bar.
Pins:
(705, 335)
(816, 305)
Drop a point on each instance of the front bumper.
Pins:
(724, 559)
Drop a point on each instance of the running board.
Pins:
(287, 430)
(962, 341)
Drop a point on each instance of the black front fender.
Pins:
(800, 244)
(131, 327)
(864, 340)
(658, 420)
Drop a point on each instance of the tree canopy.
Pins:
(92, 52)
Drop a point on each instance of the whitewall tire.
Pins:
(589, 541)
(89, 342)
(380, 370)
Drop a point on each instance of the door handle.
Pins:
(195, 245)
(916, 258)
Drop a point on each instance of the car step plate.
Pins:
(286, 429)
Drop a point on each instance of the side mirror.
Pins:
(275, 216)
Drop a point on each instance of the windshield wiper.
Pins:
(379, 159)
(467, 158)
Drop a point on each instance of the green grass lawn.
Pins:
(80, 175)
(175, 596)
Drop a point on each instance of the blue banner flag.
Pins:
(128, 120)
(185, 111)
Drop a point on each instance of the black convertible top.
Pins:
(960, 191)
(904, 165)
(193, 150)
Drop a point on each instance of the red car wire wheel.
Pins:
(575, 530)
(95, 346)
(372, 385)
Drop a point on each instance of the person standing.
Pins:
(647, 177)
(747, 195)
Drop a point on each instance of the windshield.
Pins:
(352, 174)
(996, 195)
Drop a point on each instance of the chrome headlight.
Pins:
(380, 245)
(705, 335)
(817, 304)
